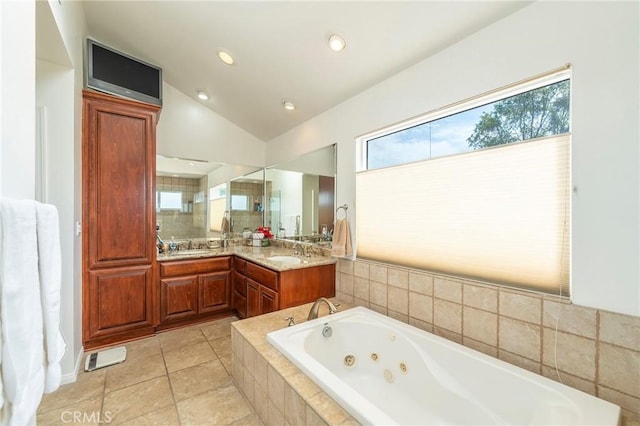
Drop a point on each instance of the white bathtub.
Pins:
(402, 375)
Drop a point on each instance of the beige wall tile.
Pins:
(330, 411)
(276, 389)
(619, 369)
(398, 300)
(621, 330)
(361, 302)
(628, 418)
(449, 335)
(303, 385)
(378, 293)
(428, 327)
(398, 316)
(295, 412)
(262, 372)
(346, 284)
(518, 306)
(377, 308)
(447, 315)
(480, 325)
(520, 338)
(378, 273)
(313, 419)
(361, 269)
(361, 288)
(276, 417)
(519, 361)
(421, 283)
(584, 385)
(421, 307)
(444, 288)
(398, 278)
(345, 266)
(570, 318)
(480, 297)
(480, 347)
(575, 355)
(261, 404)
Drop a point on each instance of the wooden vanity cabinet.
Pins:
(194, 290)
(118, 219)
(259, 290)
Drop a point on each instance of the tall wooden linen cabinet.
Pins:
(118, 215)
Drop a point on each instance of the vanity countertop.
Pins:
(259, 255)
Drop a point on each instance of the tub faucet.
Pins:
(313, 313)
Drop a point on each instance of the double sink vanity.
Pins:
(200, 284)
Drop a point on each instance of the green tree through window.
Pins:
(533, 114)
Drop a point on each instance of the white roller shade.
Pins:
(499, 215)
(217, 208)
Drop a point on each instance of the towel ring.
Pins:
(342, 207)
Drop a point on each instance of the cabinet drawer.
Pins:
(188, 267)
(264, 276)
(240, 265)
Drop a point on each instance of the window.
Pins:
(217, 206)
(479, 191)
(168, 200)
(535, 113)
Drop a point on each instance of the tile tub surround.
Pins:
(595, 351)
(277, 390)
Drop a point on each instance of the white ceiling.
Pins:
(281, 48)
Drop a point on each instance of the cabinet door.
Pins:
(240, 304)
(118, 303)
(178, 298)
(253, 298)
(118, 181)
(268, 300)
(215, 294)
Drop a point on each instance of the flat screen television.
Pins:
(119, 74)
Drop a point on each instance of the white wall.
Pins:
(600, 41)
(60, 90)
(189, 130)
(17, 99)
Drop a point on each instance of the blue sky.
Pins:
(444, 136)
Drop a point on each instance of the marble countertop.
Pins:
(259, 255)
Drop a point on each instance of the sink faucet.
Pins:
(313, 313)
(297, 249)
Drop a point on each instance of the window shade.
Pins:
(499, 215)
(217, 208)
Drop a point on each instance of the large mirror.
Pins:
(181, 197)
(300, 196)
(194, 199)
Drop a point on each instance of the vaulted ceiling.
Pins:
(280, 48)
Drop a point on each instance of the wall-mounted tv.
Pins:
(117, 73)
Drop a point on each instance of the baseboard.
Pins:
(73, 376)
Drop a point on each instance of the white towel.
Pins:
(49, 268)
(21, 313)
(341, 243)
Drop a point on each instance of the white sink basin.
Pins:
(285, 260)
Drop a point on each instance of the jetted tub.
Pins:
(385, 372)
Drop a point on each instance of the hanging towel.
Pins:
(49, 268)
(225, 226)
(341, 245)
(21, 313)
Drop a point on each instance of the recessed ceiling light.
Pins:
(202, 95)
(336, 42)
(226, 57)
(288, 105)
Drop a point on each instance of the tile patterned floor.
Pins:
(179, 377)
